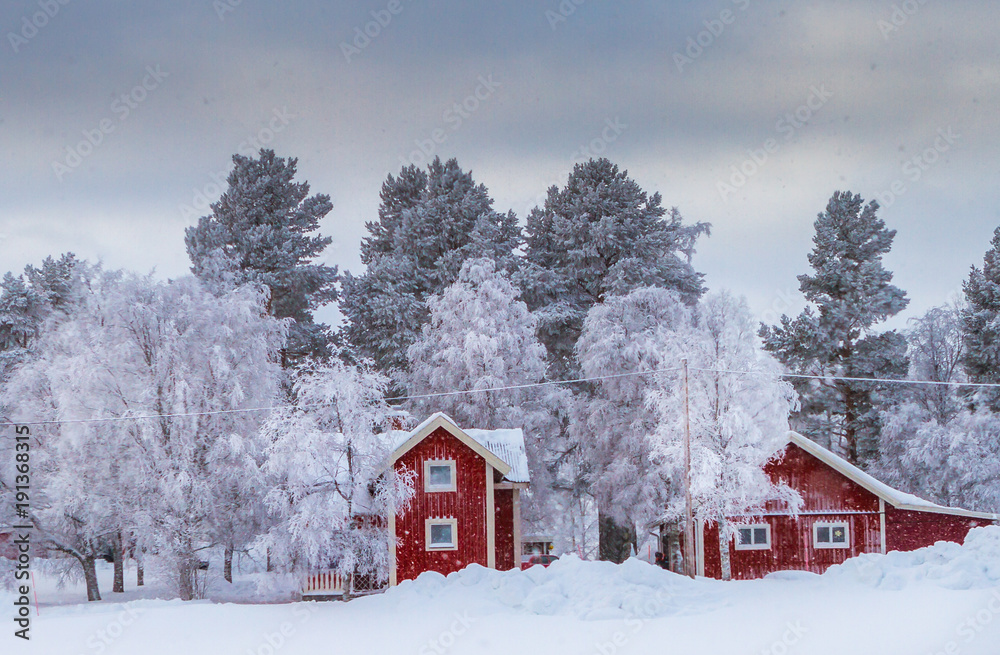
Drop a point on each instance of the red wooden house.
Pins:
(846, 512)
(467, 505)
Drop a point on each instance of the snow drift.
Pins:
(569, 587)
(602, 590)
(972, 565)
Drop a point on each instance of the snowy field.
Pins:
(944, 599)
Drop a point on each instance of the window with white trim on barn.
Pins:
(441, 534)
(439, 475)
(756, 536)
(831, 535)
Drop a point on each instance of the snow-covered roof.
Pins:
(505, 447)
(895, 497)
(508, 445)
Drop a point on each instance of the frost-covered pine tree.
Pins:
(850, 292)
(738, 407)
(601, 235)
(27, 300)
(261, 231)
(609, 433)
(175, 484)
(598, 236)
(429, 223)
(981, 325)
(329, 486)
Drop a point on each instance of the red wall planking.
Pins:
(504, 500)
(466, 504)
(909, 530)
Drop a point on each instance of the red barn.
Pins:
(467, 505)
(845, 513)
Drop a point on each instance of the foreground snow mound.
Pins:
(972, 565)
(569, 587)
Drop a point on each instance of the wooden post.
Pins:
(689, 554)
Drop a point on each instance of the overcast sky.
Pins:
(805, 97)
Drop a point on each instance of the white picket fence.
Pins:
(326, 583)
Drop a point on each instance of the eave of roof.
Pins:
(895, 497)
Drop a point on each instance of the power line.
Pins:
(842, 378)
(114, 419)
(829, 378)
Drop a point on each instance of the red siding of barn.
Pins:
(467, 504)
(792, 546)
(822, 488)
(829, 497)
(504, 499)
(909, 530)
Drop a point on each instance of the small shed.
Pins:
(846, 512)
(467, 506)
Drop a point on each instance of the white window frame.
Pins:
(752, 526)
(434, 488)
(831, 525)
(454, 533)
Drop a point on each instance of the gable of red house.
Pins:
(466, 507)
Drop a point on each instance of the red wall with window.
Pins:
(467, 504)
(828, 497)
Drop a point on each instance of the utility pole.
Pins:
(689, 554)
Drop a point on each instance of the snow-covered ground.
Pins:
(943, 599)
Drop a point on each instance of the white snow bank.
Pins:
(972, 565)
(568, 587)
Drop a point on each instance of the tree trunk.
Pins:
(727, 572)
(90, 575)
(118, 586)
(348, 583)
(269, 567)
(616, 541)
(139, 573)
(185, 578)
(227, 565)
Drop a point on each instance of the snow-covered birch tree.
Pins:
(480, 336)
(329, 486)
(634, 333)
(171, 466)
(739, 408)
